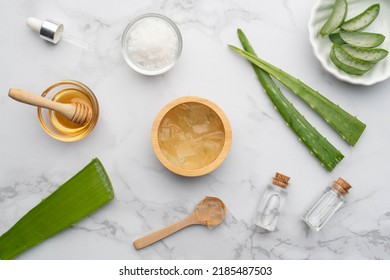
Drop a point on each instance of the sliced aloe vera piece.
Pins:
(348, 126)
(362, 20)
(362, 39)
(319, 146)
(336, 18)
(369, 55)
(347, 63)
(84, 193)
(335, 38)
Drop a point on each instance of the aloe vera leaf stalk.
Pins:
(348, 126)
(84, 193)
(319, 146)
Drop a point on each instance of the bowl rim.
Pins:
(92, 123)
(226, 145)
(139, 69)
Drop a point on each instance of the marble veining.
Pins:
(148, 196)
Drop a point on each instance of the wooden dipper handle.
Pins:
(68, 110)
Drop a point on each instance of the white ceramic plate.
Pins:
(322, 45)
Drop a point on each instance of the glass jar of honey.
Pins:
(59, 127)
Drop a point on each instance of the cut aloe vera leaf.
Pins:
(335, 38)
(362, 20)
(318, 145)
(357, 39)
(84, 193)
(348, 126)
(347, 63)
(336, 18)
(362, 39)
(369, 55)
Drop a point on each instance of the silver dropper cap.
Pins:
(48, 29)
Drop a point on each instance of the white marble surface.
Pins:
(148, 196)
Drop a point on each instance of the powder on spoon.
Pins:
(152, 43)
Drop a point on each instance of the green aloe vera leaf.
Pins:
(336, 18)
(362, 20)
(362, 39)
(319, 146)
(348, 126)
(335, 38)
(369, 55)
(81, 195)
(347, 63)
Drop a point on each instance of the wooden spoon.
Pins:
(76, 112)
(211, 211)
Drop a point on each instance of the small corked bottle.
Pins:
(328, 204)
(272, 202)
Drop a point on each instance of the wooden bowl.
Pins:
(191, 136)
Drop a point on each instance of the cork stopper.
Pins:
(341, 186)
(280, 180)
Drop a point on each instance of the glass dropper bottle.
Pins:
(53, 31)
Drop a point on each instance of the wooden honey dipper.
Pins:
(77, 112)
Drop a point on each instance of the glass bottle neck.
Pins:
(337, 192)
(278, 188)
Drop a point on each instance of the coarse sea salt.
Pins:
(152, 44)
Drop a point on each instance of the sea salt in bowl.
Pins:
(151, 44)
(191, 136)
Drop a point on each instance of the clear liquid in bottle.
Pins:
(271, 203)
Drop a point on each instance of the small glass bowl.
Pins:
(60, 128)
(148, 20)
(191, 136)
